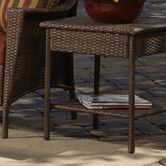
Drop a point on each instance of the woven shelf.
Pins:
(74, 105)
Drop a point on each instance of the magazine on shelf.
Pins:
(111, 101)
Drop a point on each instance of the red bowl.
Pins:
(124, 11)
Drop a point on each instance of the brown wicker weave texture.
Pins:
(25, 53)
(76, 106)
(79, 35)
(107, 39)
(1, 83)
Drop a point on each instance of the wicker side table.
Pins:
(83, 36)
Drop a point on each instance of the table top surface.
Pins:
(142, 25)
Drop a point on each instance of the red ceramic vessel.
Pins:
(124, 11)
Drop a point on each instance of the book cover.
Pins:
(111, 101)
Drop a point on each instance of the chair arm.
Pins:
(25, 49)
(17, 17)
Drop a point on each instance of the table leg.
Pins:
(95, 121)
(5, 124)
(97, 75)
(72, 96)
(71, 80)
(47, 88)
(131, 135)
(96, 87)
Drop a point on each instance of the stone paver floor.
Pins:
(27, 117)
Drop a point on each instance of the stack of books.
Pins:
(107, 101)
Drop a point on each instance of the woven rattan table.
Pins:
(84, 36)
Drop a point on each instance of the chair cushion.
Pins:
(2, 47)
(5, 4)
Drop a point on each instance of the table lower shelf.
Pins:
(75, 105)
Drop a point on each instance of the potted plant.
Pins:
(114, 11)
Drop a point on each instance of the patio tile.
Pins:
(64, 118)
(153, 60)
(158, 91)
(71, 131)
(26, 102)
(110, 127)
(158, 102)
(159, 120)
(147, 128)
